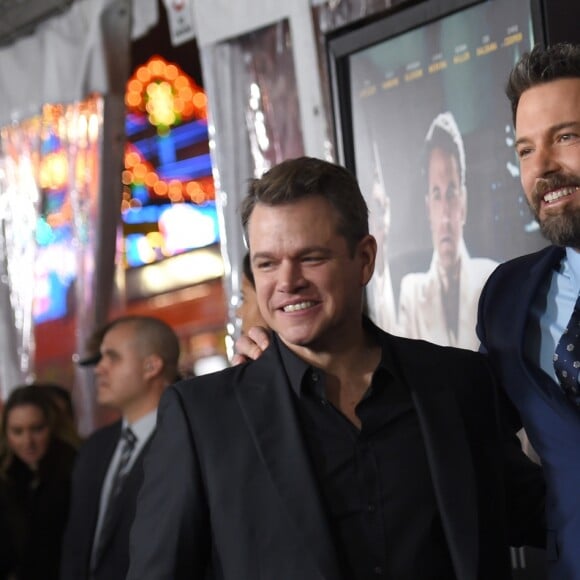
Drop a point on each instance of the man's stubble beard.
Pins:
(561, 229)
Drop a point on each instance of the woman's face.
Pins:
(28, 434)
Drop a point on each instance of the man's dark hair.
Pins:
(304, 177)
(542, 65)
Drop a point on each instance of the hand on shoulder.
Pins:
(251, 346)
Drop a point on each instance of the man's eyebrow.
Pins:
(553, 129)
(259, 255)
(302, 252)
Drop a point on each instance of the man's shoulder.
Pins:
(481, 267)
(414, 278)
(416, 286)
(102, 436)
(97, 449)
(226, 381)
(522, 264)
(423, 350)
(424, 347)
(430, 369)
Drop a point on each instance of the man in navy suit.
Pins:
(138, 359)
(343, 452)
(527, 303)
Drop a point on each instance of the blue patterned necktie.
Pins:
(567, 357)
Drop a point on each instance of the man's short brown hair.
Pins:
(304, 177)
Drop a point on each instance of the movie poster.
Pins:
(434, 155)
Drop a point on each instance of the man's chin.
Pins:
(103, 398)
(447, 255)
(562, 230)
(294, 339)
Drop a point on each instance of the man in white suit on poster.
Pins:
(440, 305)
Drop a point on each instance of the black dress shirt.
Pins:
(375, 482)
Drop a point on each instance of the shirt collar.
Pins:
(294, 366)
(143, 427)
(297, 369)
(571, 267)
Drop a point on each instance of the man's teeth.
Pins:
(299, 306)
(554, 195)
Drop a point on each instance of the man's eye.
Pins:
(567, 137)
(524, 152)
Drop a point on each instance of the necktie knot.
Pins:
(129, 438)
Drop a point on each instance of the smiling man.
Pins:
(343, 452)
(529, 311)
(440, 305)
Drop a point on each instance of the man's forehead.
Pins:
(551, 102)
(120, 334)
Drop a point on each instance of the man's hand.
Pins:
(251, 346)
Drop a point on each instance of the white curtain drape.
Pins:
(70, 57)
(255, 123)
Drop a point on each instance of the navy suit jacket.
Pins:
(551, 422)
(229, 485)
(88, 477)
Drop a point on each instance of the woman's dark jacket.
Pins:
(33, 514)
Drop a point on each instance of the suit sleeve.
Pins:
(170, 537)
(480, 326)
(524, 484)
(77, 539)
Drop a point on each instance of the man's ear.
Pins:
(367, 249)
(152, 366)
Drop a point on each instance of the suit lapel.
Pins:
(453, 476)
(268, 407)
(130, 486)
(529, 288)
(106, 454)
(106, 451)
(448, 456)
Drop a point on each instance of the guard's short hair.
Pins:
(154, 337)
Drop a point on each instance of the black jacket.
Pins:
(33, 514)
(229, 485)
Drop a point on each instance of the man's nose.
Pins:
(290, 276)
(544, 162)
(99, 367)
